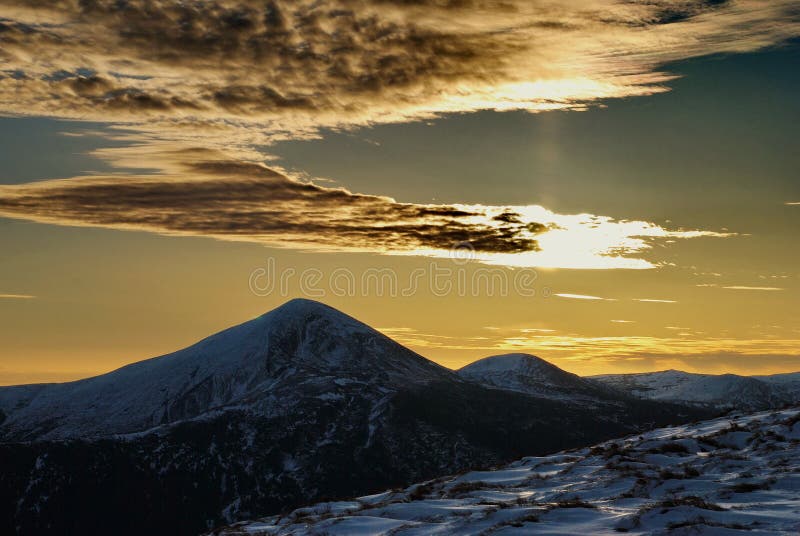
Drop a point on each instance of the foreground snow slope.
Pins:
(738, 475)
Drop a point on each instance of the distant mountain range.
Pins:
(300, 404)
(724, 391)
(529, 374)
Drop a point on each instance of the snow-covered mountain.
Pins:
(725, 391)
(532, 375)
(301, 403)
(529, 374)
(302, 342)
(721, 477)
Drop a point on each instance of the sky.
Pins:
(611, 186)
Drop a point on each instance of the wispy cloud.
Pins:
(623, 321)
(586, 354)
(16, 297)
(742, 287)
(654, 300)
(581, 297)
(588, 241)
(794, 203)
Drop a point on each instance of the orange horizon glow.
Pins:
(585, 356)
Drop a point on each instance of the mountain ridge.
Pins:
(721, 391)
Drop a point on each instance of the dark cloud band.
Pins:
(237, 200)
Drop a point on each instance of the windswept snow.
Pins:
(738, 475)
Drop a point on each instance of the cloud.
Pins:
(581, 297)
(794, 203)
(205, 193)
(239, 72)
(16, 297)
(624, 321)
(653, 300)
(588, 241)
(241, 201)
(741, 287)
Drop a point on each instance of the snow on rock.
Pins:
(725, 476)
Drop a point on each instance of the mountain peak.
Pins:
(528, 374)
(303, 310)
(303, 305)
(299, 347)
(513, 361)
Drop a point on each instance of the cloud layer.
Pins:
(202, 193)
(242, 73)
(234, 200)
(624, 353)
(254, 70)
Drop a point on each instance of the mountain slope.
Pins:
(716, 477)
(534, 376)
(235, 367)
(788, 385)
(726, 391)
(300, 404)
